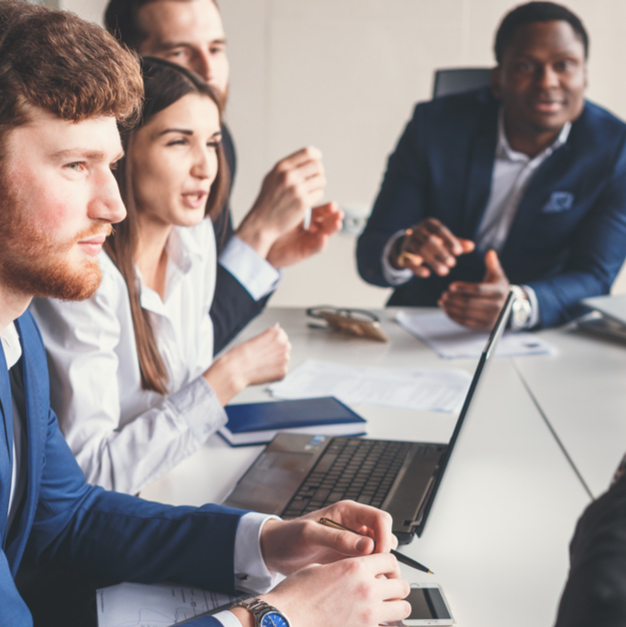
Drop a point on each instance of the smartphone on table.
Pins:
(428, 606)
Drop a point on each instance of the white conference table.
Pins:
(582, 393)
(498, 533)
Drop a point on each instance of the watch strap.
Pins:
(258, 608)
(521, 309)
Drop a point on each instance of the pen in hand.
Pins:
(307, 218)
(399, 556)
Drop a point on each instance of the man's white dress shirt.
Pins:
(125, 437)
(512, 173)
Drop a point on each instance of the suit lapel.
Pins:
(481, 168)
(32, 429)
(6, 446)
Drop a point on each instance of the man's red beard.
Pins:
(33, 263)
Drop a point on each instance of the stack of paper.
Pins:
(410, 388)
(142, 605)
(451, 340)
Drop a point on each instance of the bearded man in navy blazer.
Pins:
(522, 185)
(64, 84)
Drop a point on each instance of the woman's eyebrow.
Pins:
(184, 131)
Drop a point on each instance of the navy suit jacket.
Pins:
(233, 306)
(64, 521)
(568, 238)
(595, 592)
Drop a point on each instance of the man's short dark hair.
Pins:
(536, 12)
(120, 19)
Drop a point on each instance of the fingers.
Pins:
(369, 522)
(326, 219)
(432, 244)
(475, 305)
(300, 157)
(494, 272)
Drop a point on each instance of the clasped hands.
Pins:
(430, 247)
(335, 578)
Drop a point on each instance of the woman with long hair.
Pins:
(133, 379)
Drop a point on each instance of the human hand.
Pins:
(288, 545)
(301, 243)
(429, 247)
(262, 359)
(355, 592)
(294, 184)
(477, 305)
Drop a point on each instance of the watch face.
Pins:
(274, 619)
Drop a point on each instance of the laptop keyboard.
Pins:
(351, 468)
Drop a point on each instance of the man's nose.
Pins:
(203, 65)
(106, 203)
(547, 77)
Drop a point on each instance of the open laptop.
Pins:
(611, 324)
(297, 474)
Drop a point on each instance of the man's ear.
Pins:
(495, 82)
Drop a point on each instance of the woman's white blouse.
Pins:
(125, 437)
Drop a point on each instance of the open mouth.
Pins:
(195, 199)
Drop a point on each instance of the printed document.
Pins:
(157, 605)
(409, 388)
(451, 340)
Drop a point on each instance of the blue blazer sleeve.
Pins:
(124, 537)
(595, 252)
(401, 202)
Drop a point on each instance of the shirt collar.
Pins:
(181, 247)
(11, 345)
(504, 150)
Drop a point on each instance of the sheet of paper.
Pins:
(451, 340)
(412, 388)
(157, 605)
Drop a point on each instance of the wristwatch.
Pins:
(264, 614)
(521, 309)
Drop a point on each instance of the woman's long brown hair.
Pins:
(165, 83)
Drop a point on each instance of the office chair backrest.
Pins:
(456, 80)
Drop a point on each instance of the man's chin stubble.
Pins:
(53, 280)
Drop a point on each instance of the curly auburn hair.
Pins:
(56, 61)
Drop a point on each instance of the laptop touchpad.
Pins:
(292, 462)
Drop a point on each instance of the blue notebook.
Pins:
(258, 423)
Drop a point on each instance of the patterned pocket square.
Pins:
(559, 201)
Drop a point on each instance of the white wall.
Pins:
(343, 75)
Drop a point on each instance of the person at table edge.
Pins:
(58, 198)
(190, 33)
(522, 184)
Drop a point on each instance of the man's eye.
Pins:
(77, 166)
(175, 54)
(524, 67)
(563, 66)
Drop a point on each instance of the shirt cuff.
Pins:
(256, 274)
(534, 319)
(251, 573)
(391, 274)
(228, 619)
(198, 405)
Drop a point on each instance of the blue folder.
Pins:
(258, 423)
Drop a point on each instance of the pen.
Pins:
(307, 218)
(399, 556)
